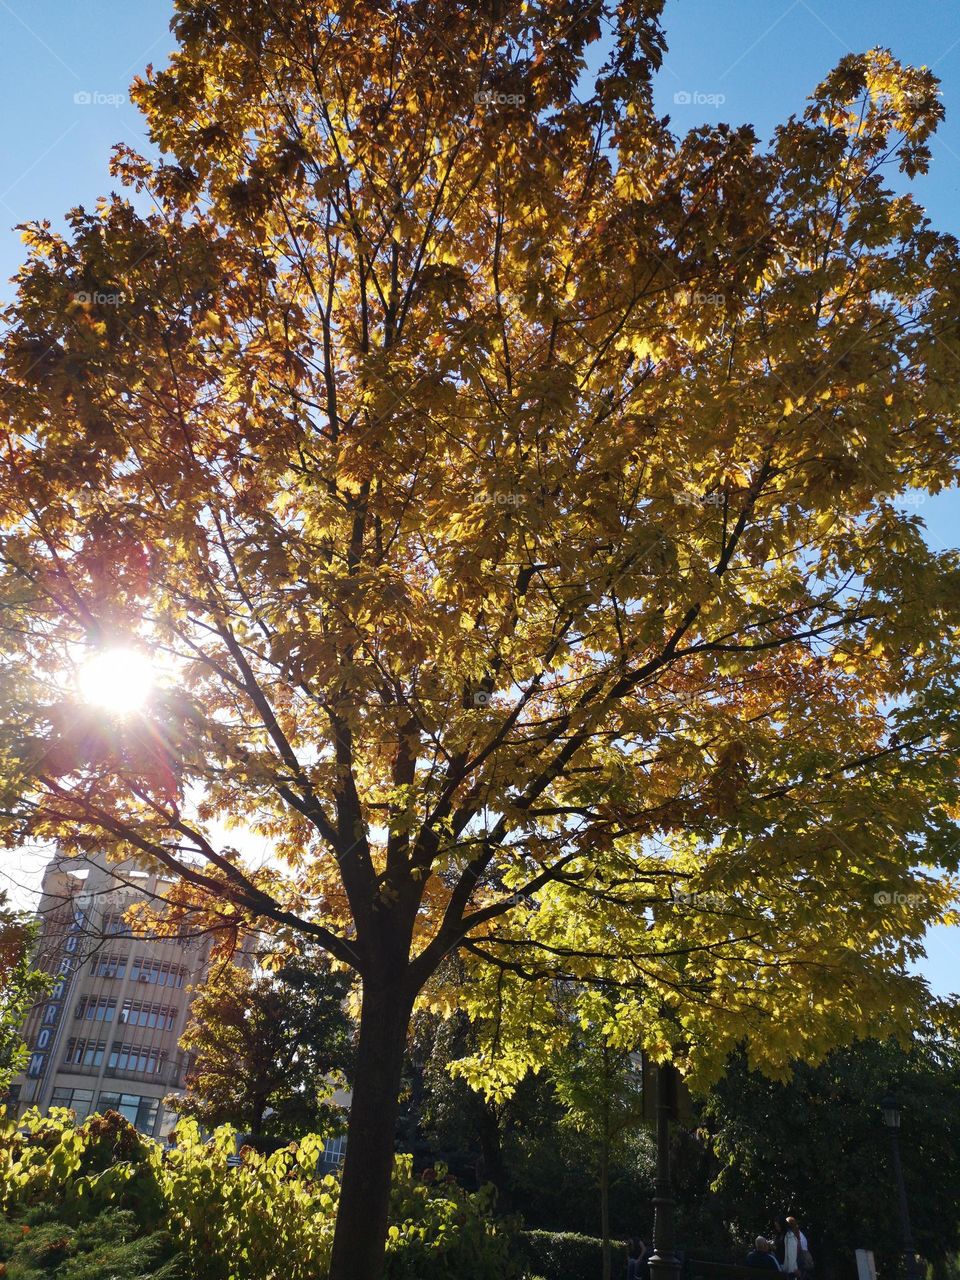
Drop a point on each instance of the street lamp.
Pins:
(664, 1263)
(891, 1120)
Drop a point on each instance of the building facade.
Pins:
(107, 1036)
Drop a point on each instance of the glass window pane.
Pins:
(147, 1114)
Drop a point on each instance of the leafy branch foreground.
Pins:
(97, 1198)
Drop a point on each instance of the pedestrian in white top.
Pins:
(805, 1260)
(788, 1248)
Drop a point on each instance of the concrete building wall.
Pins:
(107, 1036)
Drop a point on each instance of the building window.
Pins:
(78, 1100)
(110, 966)
(84, 1053)
(134, 1057)
(95, 1009)
(137, 1013)
(114, 924)
(160, 973)
(140, 1111)
(334, 1150)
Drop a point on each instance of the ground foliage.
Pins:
(36, 1245)
(99, 1194)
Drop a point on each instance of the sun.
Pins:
(118, 680)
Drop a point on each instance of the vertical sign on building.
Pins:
(67, 963)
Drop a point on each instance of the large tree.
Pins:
(508, 489)
(263, 1042)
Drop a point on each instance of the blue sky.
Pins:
(65, 69)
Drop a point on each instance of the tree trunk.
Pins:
(487, 1127)
(256, 1118)
(361, 1230)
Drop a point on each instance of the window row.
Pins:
(110, 966)
(114, 923)
(137, 1013)
(159, 972)
(134, 1013)
(140, 1111)
(139, 1058)
(123, 1057)
(95, 1009)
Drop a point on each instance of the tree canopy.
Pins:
(509, 491)
(266, 1042)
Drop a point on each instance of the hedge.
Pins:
(564, 1255)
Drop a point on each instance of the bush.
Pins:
(269, 1216)
(442, 1231)
(112, 1244)
(563, 1255)
(80, 1169)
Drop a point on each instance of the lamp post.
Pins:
(664, 1263)
(891, 1120)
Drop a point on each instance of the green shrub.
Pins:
(563, 1255)
(441, 1231)
(267, 1217)
(82, 1169)
(112, 1244)
(270, 1216)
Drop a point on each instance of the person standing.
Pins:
(788, 1248)
(806, 1258)
(636, 1254)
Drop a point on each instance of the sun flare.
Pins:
(119, 680)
